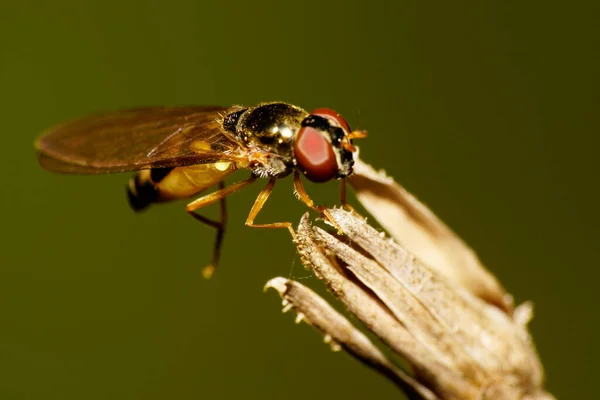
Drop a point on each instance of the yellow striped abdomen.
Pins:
(154, 186)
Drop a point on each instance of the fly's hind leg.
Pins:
(208, 271)
(219, 195)
(260, 201)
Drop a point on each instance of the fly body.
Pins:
(179, 152)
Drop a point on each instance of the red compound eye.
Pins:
(315, 155)
(332, 116)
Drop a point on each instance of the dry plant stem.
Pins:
(341, 334)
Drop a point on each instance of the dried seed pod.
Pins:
(458, 346)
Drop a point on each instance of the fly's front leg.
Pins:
(260, 201)
(310, 203)
(219, 195)
(345, 204)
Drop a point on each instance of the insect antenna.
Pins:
(346, 141)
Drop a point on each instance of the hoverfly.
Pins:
(181, 151)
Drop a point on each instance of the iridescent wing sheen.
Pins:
(128, 140)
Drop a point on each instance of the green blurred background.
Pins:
(487, 111)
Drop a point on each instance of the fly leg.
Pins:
(345, 204)
(262, 198)
(310, 203)
(219, 195)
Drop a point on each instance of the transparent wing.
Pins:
(135, 139)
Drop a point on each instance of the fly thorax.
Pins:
(269, 130)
